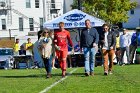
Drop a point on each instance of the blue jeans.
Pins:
(123, 49)
(48, 64)
(89, 55)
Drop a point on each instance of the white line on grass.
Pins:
(55, 83)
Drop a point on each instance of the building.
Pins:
(67, 5)
(134, 17)
(21, 17)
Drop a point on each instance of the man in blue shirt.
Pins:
(134, 44)
(88, 41)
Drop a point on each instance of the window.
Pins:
(36, 3)
(28, 3)
(31, 24)
(41, 23)
(20, 24)
(132, 11)
(52, 3)
(3, 24)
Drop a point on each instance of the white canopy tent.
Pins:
(73, 19)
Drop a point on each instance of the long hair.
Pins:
(44, 31)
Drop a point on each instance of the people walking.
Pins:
(46, 47)
(89, 41)
(108, 43)
(133, 45)
(124, 45)
(118, 50)
(61, 37)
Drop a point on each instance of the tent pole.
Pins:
(79, 33)
(79, 4)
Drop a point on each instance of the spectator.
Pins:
(77, 47)
(16, 47)
(22, 51)
(133, 45)
(46, 47)
(29, 46)
(124, 45)
(39, 34)
(53, 59)
(108, 42)
(60, 39)
(118, 51)
(69, 57)
(88, 41)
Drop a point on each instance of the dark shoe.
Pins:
(49, 75)
(86, 74)
(63, 76)
(131, 63)
(91, 73)
(106, 73)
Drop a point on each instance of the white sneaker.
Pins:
(54, 68)
(110, 73)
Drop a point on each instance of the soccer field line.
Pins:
(55, 83)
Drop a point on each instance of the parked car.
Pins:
(6, 58)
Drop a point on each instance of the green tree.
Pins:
(75, 4)
(112, 11)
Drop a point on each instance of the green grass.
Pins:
(124, 79)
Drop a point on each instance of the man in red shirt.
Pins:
(60, 39)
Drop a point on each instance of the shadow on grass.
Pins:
(83, 74)
(53, 75)
(30, 76)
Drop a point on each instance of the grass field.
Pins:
(124, 79)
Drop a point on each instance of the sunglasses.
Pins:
(105, 28)
(46, 32)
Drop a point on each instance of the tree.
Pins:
(75, 4)
(112, 11)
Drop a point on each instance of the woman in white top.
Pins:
(47, 51)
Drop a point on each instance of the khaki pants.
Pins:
(108, 55)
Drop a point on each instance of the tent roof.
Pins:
(73, 19)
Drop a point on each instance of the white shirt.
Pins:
(105, 46)
(125, 40)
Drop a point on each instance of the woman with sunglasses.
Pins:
(46, 47)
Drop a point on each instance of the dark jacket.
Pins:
(89, 37)
(111, 37)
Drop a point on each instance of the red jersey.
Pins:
(61, 38)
